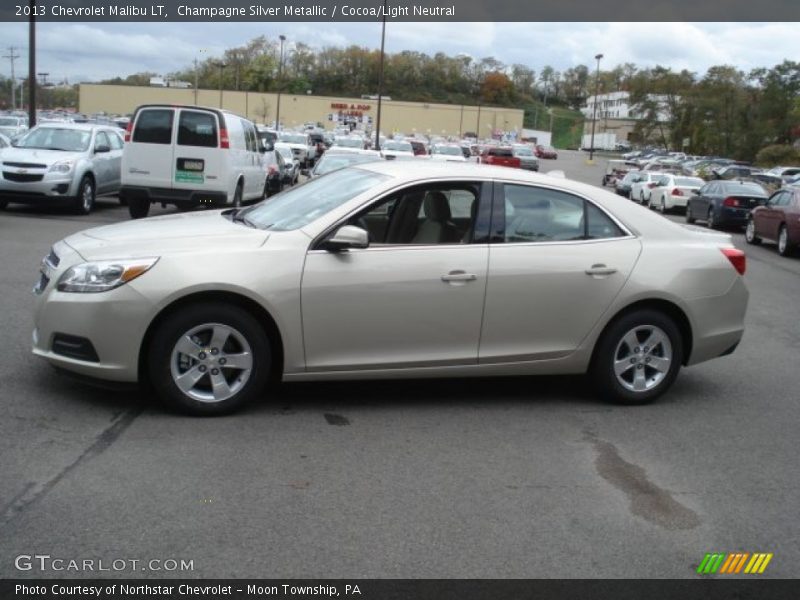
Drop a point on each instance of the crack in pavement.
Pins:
(647, 500)
(34, 491)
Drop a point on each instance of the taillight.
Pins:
(651, 185)
(730, 202)
(272, 169)
(128, 130)
(224, 142)
(677, 192)
(737, 258)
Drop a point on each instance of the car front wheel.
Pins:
(209, 359)
(689, 217)
(86, 195)
(637, 357)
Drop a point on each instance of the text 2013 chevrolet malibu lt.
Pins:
(389, 271)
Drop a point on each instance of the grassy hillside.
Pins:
(567, 124)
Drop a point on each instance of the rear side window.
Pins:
(197, 129)
(154, 126)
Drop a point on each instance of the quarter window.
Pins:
(154, 126)
(197, 129)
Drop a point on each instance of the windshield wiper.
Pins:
(239, 217)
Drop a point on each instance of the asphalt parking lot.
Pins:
(498, 478)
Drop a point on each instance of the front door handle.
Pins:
(600, 269)
(459, 276)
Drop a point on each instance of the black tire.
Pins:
(711, 220)
(138, 208)
(785, 249)
(750, 233)
(3, 204)
(602, 368)
(176, 325)
(237, 195)
(84, 201)
(689, 218)
(122, 201)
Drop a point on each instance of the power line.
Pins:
(12, 57)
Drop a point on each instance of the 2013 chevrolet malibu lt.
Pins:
(381, 271)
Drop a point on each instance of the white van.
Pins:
(189, 156)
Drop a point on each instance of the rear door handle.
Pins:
(459, 276)
(600, 269)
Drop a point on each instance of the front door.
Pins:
(414, 297)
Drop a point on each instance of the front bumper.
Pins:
(113, 323)
(51, 185)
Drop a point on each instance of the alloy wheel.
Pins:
(642, 358)
(211, 362)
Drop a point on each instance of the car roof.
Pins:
(77, 126)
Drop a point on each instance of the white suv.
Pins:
(188, 156)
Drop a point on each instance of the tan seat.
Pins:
(437, 228)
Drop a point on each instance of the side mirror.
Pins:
(101, 149)
(346, 237)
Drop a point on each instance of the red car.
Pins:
(545, 152)
(499, 156)
(778, 220)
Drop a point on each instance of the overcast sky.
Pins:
(92, 51)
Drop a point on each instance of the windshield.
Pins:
(450, 150)
(8, 122)
(332, 162)
(301, 205)
(294, 139)
(349, 143)
(56, 138)
(398, 146)
(284, 151)
(745, 188)
(522, 151)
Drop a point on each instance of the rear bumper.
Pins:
(173, 196)
(733, 216)
(719, 323)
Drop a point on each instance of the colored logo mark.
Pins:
(734, 563)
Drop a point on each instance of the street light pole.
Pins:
(594, 110)
(380, 81)
(221, 66)
(32, 65)
(280, 81)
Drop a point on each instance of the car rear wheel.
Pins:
(662, 207)
(86, 195)
(138, 208)
(3, 204)
(784, 249)
(750, 233)
(689, 218)
(209, 359)
(711, 219)
(637, 357)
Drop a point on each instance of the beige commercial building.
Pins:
(402, 117)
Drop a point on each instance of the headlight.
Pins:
(104, 275)
(62, 166)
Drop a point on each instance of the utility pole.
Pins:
(12, 57)
(594, 111)
(380, 81)
(195, 81)
(280, 81)
(32, 65)
(221, 66)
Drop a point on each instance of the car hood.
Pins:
(183, 232)
(295, 146)
(45, 157)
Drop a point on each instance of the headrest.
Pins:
(436, 207)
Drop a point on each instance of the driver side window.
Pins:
(423, 215)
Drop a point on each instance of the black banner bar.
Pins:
(751, 588)
(224, 11)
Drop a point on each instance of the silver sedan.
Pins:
(380, 271)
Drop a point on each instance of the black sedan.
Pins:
(725, 203)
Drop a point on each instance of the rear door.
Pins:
(147, 159)
(197, 160)
(556, 264)
(115, 159)
(103, 170)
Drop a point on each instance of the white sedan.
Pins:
(640, 188)
(673, 191)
